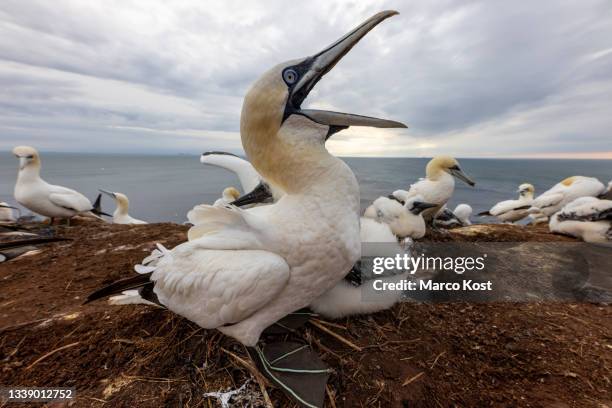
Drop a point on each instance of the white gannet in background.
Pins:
(43, 198)
(6, 213)
(243, 270)
(564, 192)
(513, 210)
(229, 195)
(405, 219)
(438, 185)
(587, 218)
(121, 216)
(459, 217)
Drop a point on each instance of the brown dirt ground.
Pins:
(415, 355)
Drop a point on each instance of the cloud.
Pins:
(470, 78)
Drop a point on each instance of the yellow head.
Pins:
(28, 156)
(280, 138)
(231, 194)
(569, 181)
(526, 190)
(446, 164)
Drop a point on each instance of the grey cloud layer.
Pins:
(470, 78)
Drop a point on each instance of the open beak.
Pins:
(260, 194)
(458, 173)
(420, 206)
(312, 69)
(108, 193)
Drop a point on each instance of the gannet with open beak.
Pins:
(459, 217)
(587, 218)
(438, 185)
(405, 219)
(121, 216)
(564, 192)
(43, 198)
(6, 213)
(513, 210)
(243, 270)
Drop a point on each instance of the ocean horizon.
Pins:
(162, 188)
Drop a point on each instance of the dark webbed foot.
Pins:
(296, 369)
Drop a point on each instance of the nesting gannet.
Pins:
(43, 198)
(513, 210)
(404, 218)
(243, 270)
(121, 216)
(588, 218)
(564, 192)
(438, 185)
(6, 213)
(459, 217)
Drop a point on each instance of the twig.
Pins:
(411, 379)
(51, 353)
(335, 335)
(436, 360)
(330, 395)
(18, 325)
(336, 325)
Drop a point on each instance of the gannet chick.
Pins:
(587, 218)
(438, 185)
(230, 194)
(404, 218)
(43, 198)
(6, 213)
(243, 270)
(121, 216)
(564, 192)
(513, 210)
(460, 217)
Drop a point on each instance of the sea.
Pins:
(164, 188)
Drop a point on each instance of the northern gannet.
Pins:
(587, 218)
(513, 210)
(229, 195)
(121, 216)
(405, 219)
(438, 185)
(459, 217)
(243, 270)
(6, 213)
(564, 192)
(43, 198)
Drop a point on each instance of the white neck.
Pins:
(29, 173)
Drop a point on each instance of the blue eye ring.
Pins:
(290, 76)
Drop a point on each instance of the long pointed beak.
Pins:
(8, 206)
(315, 67)
(260, 194)
(462, 176)
(108, 193)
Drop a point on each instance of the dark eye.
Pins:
(30, 157)
(290, 76)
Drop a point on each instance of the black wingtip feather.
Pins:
(484, 214)
(119, 286)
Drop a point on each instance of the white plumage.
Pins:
(564, 192)
(404, 220)
(438, 185)
(514, 210)
(587, 218)
(121, 215)
(248, 176)
(41, 197)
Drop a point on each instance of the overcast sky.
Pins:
(490, 78)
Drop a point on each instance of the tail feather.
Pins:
(133, 282)
(484, 214)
